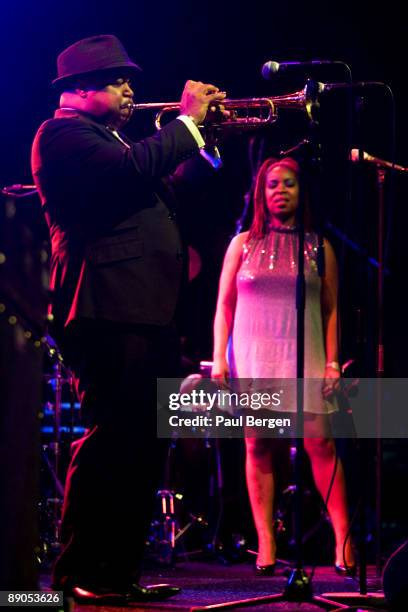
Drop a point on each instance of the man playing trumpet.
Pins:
(116, 268)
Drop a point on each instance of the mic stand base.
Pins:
(369, 600)
(298, 589)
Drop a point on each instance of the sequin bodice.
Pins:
(264, 334)
(267, 279)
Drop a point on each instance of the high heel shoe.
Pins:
(342, 570)
(265, 570)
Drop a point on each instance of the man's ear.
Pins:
(82, 93)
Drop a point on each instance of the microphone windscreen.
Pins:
(269, 69)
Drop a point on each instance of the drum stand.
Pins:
(61, 376)
(169, 533)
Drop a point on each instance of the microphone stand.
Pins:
(372, 598)
(379, 366)
(299, 587)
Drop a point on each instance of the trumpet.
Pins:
(244, 112)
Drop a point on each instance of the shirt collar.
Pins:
(68, 112)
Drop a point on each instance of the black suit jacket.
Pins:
(116, 251)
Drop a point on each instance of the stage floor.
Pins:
(206, 584)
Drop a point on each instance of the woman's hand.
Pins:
(220, 371)
(331, 382)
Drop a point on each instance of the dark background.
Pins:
(226, 44)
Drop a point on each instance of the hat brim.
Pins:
(129, 68)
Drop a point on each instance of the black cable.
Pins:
(326, 501)
(351, 523)
(353, 518)
(220, 491)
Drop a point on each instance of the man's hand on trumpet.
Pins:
(196, 99)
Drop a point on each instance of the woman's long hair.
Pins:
(260, 222)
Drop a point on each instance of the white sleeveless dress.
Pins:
(263, 341)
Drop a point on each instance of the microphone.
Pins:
(354, 157)
(269, 69)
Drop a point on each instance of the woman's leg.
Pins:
(321, 449)
(260, 483)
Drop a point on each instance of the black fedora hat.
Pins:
(92, 55)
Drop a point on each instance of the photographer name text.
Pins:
(220, 421)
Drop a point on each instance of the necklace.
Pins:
(283, 228)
